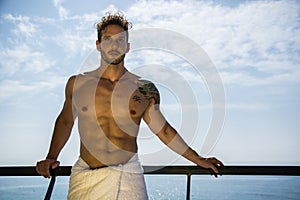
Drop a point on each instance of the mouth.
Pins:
(114, 53)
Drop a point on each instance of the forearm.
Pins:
(175, 142)
(169, 136)
(61, 134)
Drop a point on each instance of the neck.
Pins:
(112, 72)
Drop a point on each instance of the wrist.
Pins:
(51, 158)
(192, 155)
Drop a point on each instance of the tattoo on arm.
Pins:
(149, 90)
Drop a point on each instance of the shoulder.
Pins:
(148, 89)
(75, 82)
(70, 85)
(71, 81)
(145, 86)
(78, 80)
(72, 78)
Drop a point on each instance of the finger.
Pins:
(215, 170)
(37, 168)
(217, 167)
(45, 172)
(217, 162)
(55, 165)
(43, 169)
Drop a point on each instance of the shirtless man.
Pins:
(110, 103)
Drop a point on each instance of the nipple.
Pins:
(132, 112)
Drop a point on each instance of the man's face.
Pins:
(113, 45)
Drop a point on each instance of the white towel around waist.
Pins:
(121, 182)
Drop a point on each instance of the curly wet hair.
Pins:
(116, 18)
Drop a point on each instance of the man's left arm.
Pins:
(169, 136)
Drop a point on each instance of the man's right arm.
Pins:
(62, 130)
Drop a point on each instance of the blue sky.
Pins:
(253, 45)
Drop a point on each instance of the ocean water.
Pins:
(170, 187)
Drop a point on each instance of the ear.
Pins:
(98, 46)
(128, 47)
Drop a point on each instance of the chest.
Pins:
(111, 100)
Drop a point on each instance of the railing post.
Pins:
(188, 186)
(51, 184)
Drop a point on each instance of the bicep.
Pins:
(152, 115)
(68, 113)
(154, 118)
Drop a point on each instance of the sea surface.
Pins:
(170, 187)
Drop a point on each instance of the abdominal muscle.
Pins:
(106, 146)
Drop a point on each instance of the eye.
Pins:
(106, 39)
(121, 40)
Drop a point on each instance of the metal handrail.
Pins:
(184, 170)
(181, 169)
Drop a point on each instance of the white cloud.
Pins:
(22, 58)
(9, 88)
(62, 11)
(259, 35)
(15, 88)
(74, 43)
(23, 25)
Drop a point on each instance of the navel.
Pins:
(84, 109)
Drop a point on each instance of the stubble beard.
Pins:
(114, 61)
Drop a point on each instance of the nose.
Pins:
(114, 45)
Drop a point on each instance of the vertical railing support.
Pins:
(188, 186)
(51, 184)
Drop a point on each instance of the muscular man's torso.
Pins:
(109, 114)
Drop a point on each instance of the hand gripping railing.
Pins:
(169, 170)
